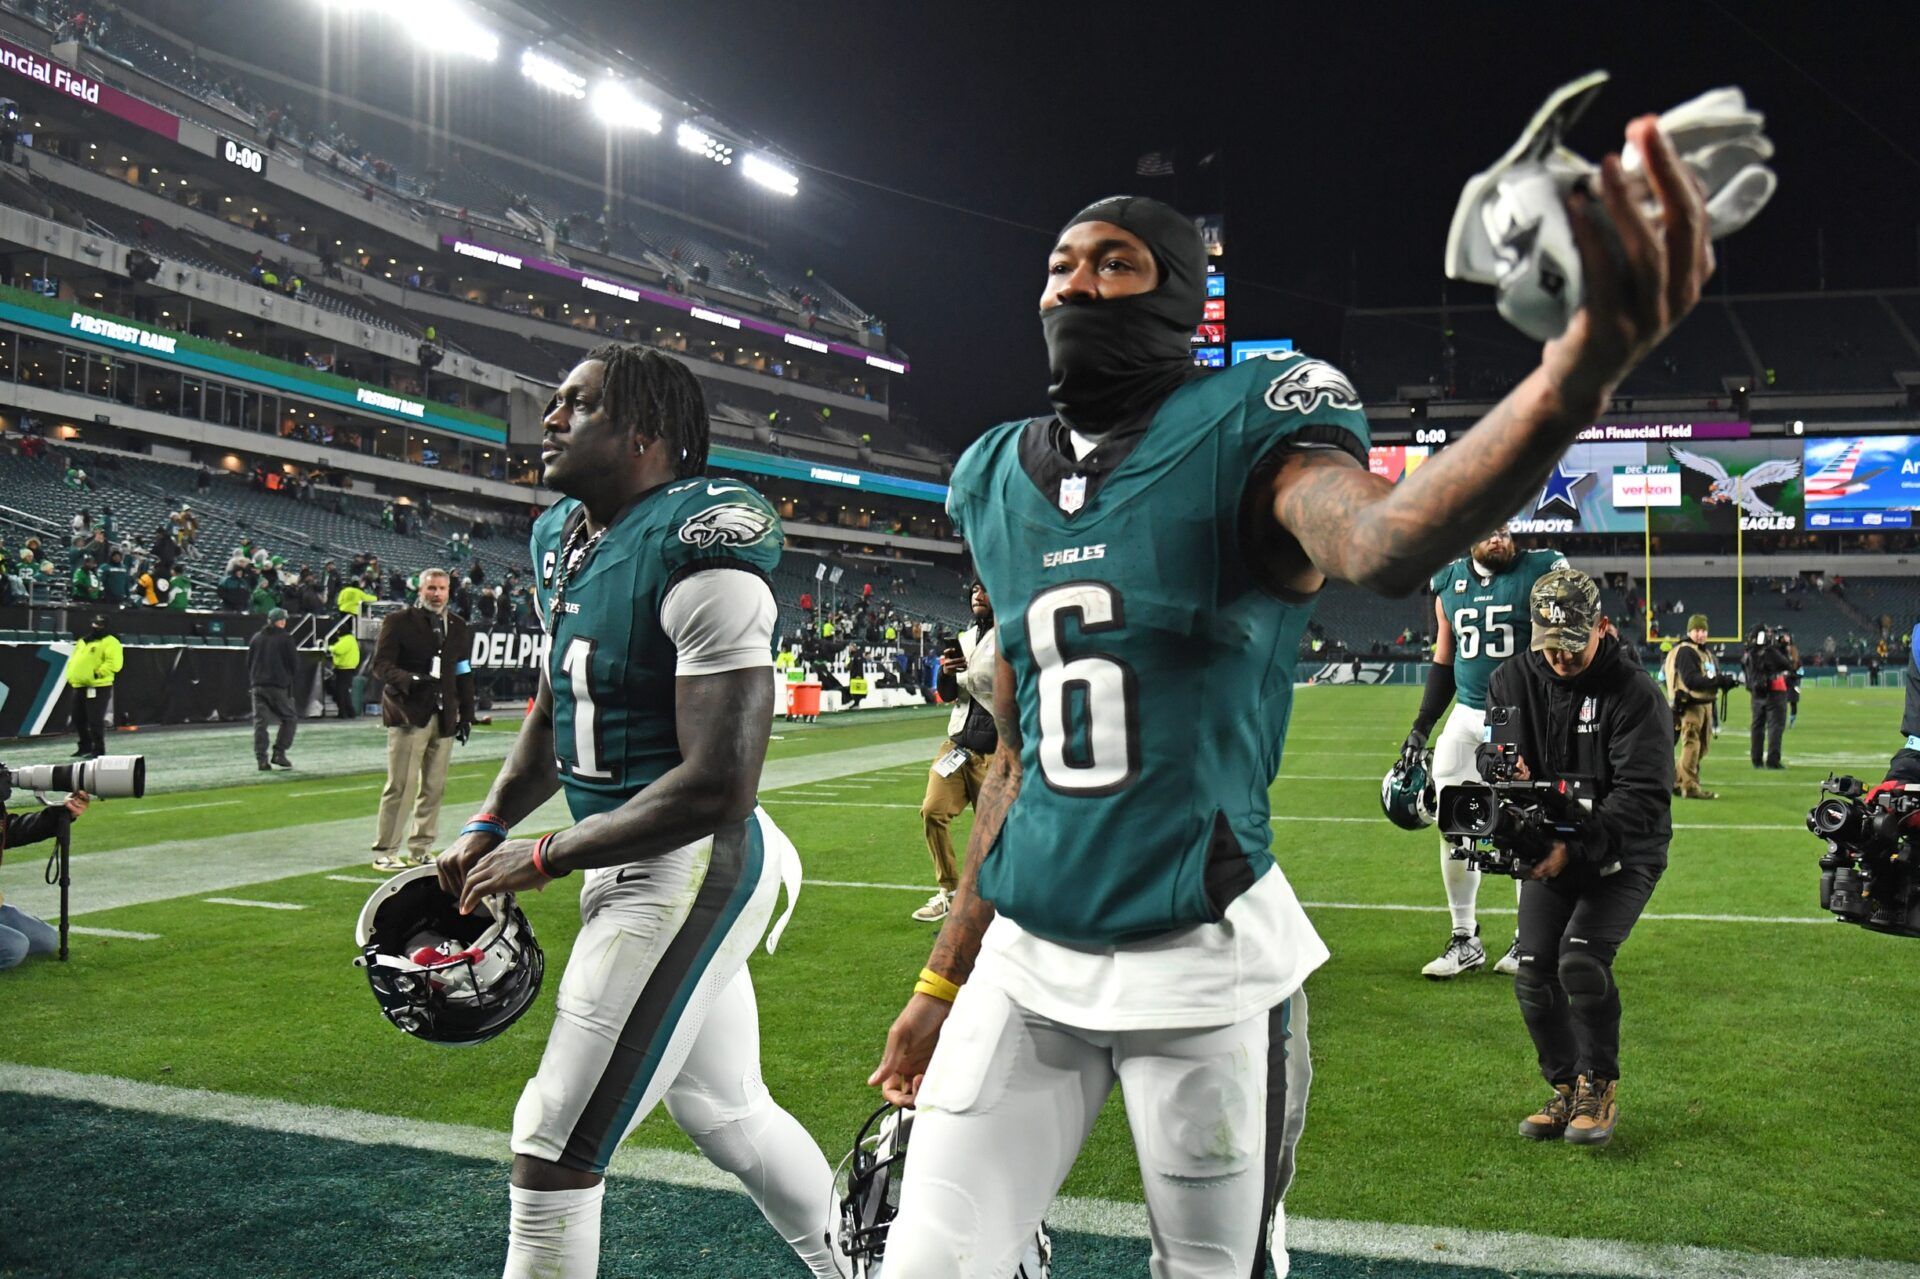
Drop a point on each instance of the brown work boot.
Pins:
(1699, 792)
(1550, 1120)
(1594, 1113)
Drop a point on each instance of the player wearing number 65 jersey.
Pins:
(1153, 549)
(653, 717)
(1480, 608)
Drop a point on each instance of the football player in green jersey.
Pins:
(1153, 548)
(653, 716)
(1476, 600)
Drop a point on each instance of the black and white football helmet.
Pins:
(868, 1183)
(443, 976)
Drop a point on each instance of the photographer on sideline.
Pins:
(1767, 666)
(423, 657)
(1693, 681)
(20, 933)
(1575, 708)
(953, 781)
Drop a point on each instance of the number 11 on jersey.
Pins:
(577, 664)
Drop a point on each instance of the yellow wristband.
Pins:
(932, 983)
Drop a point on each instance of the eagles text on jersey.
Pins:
(610, 665)
(1154, 674)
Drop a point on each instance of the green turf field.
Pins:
(1768, 1052)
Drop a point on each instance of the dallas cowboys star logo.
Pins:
(1560, 486)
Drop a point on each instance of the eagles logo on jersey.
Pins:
(735, 524)
(1307, 384)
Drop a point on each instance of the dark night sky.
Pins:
(1343, 133)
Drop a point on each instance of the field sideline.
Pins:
(207, 1087)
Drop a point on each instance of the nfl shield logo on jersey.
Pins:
(1073, 493)
(1588, 709)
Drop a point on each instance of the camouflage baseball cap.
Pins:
(1565, 605)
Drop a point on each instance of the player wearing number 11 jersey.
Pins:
(1480, 608)
(652, 717)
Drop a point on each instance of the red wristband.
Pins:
(540, 862)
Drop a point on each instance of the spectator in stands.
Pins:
(179, 590)
(91, 668)
(22, 934)
(273, 663)
(87, 585)
(422, 658)
(263, 599)
(116, 584)
(234, 592)
(81, 525)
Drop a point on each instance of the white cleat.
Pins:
(1464, 953)
(1509, 963)
(936, 908)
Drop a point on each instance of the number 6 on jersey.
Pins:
(1089, 729)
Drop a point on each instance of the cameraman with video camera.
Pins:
(22, 934)
(1573, 710)
(1767, 665)
(1693, 682)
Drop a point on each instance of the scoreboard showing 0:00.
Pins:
(243, 156)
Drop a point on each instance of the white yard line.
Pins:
(80, 930)
(359, 879)
(1390, 906)
(1383, 1241)
(242, 901)
(160, 810)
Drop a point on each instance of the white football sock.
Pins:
(554, 1234)
(782, 1170)
(1463, 887)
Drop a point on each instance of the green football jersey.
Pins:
(1488, 616)
(608, 661)
(1153, 673)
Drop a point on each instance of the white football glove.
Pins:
(1510, 228)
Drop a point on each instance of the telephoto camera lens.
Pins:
(105, 777)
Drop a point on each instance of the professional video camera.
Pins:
(1506, 825)
(1873, 836)
(103, 777)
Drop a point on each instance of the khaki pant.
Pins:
(947, 798)
(416, 757)
(1696, 733)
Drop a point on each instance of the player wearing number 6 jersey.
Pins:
(653, 716)
(1153, 549)
(1480, 608)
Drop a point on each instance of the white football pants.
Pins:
(1010, 1097)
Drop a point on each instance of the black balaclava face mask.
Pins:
(1112, 358)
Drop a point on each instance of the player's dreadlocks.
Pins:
(659, 397)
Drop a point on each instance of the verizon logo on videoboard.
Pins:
(51, 74)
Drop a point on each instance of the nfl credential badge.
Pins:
(1073, 493)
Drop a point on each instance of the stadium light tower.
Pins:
(548, 74)
(616, 106)
(772, 176)
(697, 140)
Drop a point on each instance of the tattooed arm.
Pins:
(911, 1041)
(1330, 518)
